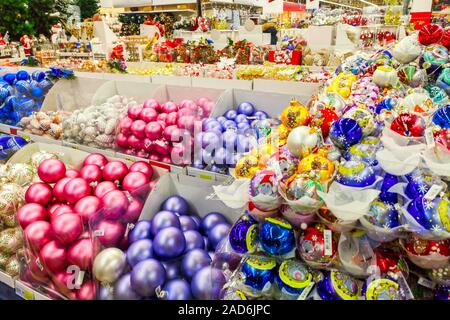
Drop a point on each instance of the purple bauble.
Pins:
(212, 125)
(220, 157)
(207, 156)
(246, 108)
(140, 231)
(261, 115)
(188, 223)
(211, 220)
(230, 114)
(229, 139)
(172, 269)
(139, 251)
(177, 289)
(194, 240)
(164, 219)
(105, 293)
(146, 276)
(176, 204)
(243, 144)
(241, 118)
(229, 125)
(217, 234)
(212, 254)
(221, 119)
(169, 243)
(243, 127)
(210, 140)
(123, 290)
(193, 261)
(207, 284)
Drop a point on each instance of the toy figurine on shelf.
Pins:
(27, 43)
(4, 40)
(57, 34)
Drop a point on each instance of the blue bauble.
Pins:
(177, 289)
(4, 93)
(23, 87)
(383, 215)
(220, 157)
(229, 124)
(22, 75)
(229, 139)
(14, 117)
(355, 173)
(16, 143)
(24, 105)
(139, 251)
(246, 108)
(193, 261)
(441, 117)
(211, 220)
(443, 80)
(38, 76)
(4, 148)
(389, 180)
(276, 236)
(164, 219)
(212, 125)
(259, 272)
(217, 234)
(261, 115)
(187, 223)
(442, 293)
(337, 285)
(345, 132)
(241, 118)
(242, 235)
(243, 127)
(221, 119)
(416, 188)
(292, 278)
(10, 78)
(123, 290)
(386, 104)
(10, 89)
(207, 284)
(45, 85)
(10, 102)
(176, 204)
(207, 156)
(416, 208)
(146, 276)
(37, 92)
(169, 243)
(362, 152)
(244, 143)
(194, 240)
(172, 269)
(141, 230)
(210, 140)
(230, 114)
(433, 58)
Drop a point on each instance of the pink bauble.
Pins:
(191, 105)
(61, 281)
(208, 108)
(134, 111)
(72, 173)
(166, 159)
(171, 119)
(63, 208)
(136, 183)
(144, 167)
(97, 159)
(114, 204)
(134, 211)
(163, 148)
(135, 142)
(142, 154)
(153, 130)
(38, 234)
(148, 145)
(87, 291)
(30, 213)
(39, 193)
(186, 122)
(138, 129)
(129, 152)
(202, 101)
(58, 189)
(148, 115)
(81, 253)
(88, 207)
(113, 232)
(122, 141)
(169, 107)
(152, 103)
(51, 170)
(154, 157)
(76, 189)
(179, 152)
(185, 112)
(91, 173)
(103, 188)
(162, 123)
(172, 134)
(53, 257)
(67, 227)
(162, 116)
(125, 126)
(52, 208)
(115, 171)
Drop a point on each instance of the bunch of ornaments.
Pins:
(70, 214)
(157, 131)
(167, 257)
(96, 125)
(43, 123)
(21, 94)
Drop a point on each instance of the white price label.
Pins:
(39, 264)
(129, 227)
(328, 241)
(433, 192)
(429, 138)
(99, 233)
(24, 293)
(306, 291)
(426, 283)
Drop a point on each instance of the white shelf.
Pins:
(27, 293)
(6, 279)
(162, 11)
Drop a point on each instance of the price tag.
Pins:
(129, 227)
(429, 138)
(24, 293)
(39, 264)
(433, 192)
(426, 283)
(205, 176)
(26, 137)
(327, 237)
(99, 233)
(306, 291)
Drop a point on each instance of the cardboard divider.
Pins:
(140, 91)
(172, 80)
(302, 89)
(127, 77)
(180, 93)
(222, 83)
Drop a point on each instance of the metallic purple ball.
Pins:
(193, 261)
(211, 220)
(172, 269)
(230, 114)
(123, 290)
(139, 251)
(176, 204)
(188, 223)
(146, 276)
(217, 234)
(177, 289)
(141, 230)
(164, 219)
(194, 240)
(207, 284)
(246, 108)
(169, 243)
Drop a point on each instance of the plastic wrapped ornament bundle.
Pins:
(96, 125)
(72, 213)
(21, 94)
(168, 256)
(46, 124)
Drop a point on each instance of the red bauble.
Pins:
(30, 213)
(169, 107)
(172, 134)
(443, 137)
(445, 41)
(323, 119)
(152, 103)
(409, 125)
(97, 159)
(430, 33)
(136, 182)
(63, 208)
(171, 119)
(53, 257)
(72, 173)
(115, 171)
(134, 211)
(122, 141)
(53, 207)
(87, 291)
(154, 157)
(125, 126)
(35, 270)
(38, 234)
(144, 167)
(103, 188)
(81, 253)
(91, 173)
(51, 170)
(135, 143)
(39, 193)
(387, 260)
(148, 115)
(422, 247)
(62, 281)
(138, 129)
(162, 148)
(153, 131)
(76, 189)
(58, 189)
(113, 232)
(67, 227)
(115, 204)
(134, 111)
(87, 207)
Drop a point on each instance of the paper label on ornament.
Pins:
(433, 192)
(429, 138)
(426, 283)
(129, 227)
(327, 236)
(306, 291)
(99, 233)
(39, 264)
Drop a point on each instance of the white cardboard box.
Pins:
(127, 77)
(140, 91)
(172, 80)
(302, 90)
(180, 93)
(222, 83)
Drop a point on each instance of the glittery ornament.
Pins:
(355, 173)
(295, 115)
(364, 118)
(317, 167)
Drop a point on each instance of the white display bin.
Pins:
(304, 90)
(222, 83)
(140, 91)
(172, 80)
(180, 93)
(127, 77)
(6, 279)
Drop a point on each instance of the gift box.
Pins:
(292, 57)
